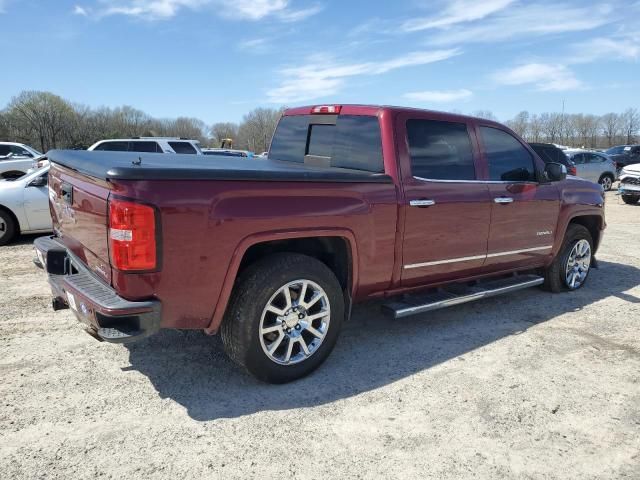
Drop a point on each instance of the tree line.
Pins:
(46, 121)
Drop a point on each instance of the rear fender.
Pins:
(258, 238)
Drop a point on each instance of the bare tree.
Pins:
(631, 123)
(611, 127)
(520, 124)
(486, 114)
(223, 130)
(257, 128)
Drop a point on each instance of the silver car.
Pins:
(594, 166)
(24, 205)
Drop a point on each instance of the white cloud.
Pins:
(458, 11)
(78, 10)
(439, 96)
(298, 15)
(164, 9)
(322, 77)
(526, 21)
(625, 47)
(545, 77)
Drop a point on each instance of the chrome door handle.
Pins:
(503, 200)
(422, 203)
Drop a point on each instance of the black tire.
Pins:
(12, 174)
(8, 227)
(554, 276)
(606, 181)
(630, 199)
(253, 291)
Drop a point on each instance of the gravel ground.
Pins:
(528, 385)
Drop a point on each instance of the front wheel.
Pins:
(571, 267)
(284, 317)
(8, 228)
(630, 199)
(606, 181)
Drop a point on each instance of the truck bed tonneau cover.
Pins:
(108, 165)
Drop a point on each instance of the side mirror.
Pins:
(40, 181)
(555, 172)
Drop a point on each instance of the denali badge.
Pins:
(546, 232)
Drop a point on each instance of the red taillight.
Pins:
(327, 109)
(132, 236)
(573, 171)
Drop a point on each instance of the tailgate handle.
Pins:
(66, 191)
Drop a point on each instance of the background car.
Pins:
(625, 155)
(24, 205)
(595, 166)
(549, 152)
(227, 152)
(149, 145)
(16, 159)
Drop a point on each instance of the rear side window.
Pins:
(4, 150)
(353, 142)
(508, 160)
(440, 150)
(151, 147)
(113, 146)
(182, 147)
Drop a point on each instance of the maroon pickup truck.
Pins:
(423, 209)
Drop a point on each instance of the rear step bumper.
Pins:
(442, 298)
(108, 316)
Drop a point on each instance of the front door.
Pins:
(36, 207)
(524, 211)
(446, 210)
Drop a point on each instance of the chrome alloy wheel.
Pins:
(294, 322)
(578, 264)
(606, 183)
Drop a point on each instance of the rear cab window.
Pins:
(343, 141)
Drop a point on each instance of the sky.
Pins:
(217, 59)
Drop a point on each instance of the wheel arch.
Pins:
(335, 248)
(593, 223)
(14, 217)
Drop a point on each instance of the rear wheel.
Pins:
(7, 227)
(606, 181)
(571, 267)
(11, 175)
(630, 199)
(284, 317)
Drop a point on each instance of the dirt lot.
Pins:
(529, 385)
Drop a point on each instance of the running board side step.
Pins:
(458, 294)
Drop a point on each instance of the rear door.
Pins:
(446, 208)
(524, 212)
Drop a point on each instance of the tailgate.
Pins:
(79, 213)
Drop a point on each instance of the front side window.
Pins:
(19, 151)
(183, 147)
(508, 160)
(440, 150)
(4, 150)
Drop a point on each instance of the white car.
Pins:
(16, 159)
(24, 205)
(629, 186)
(149, 145)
